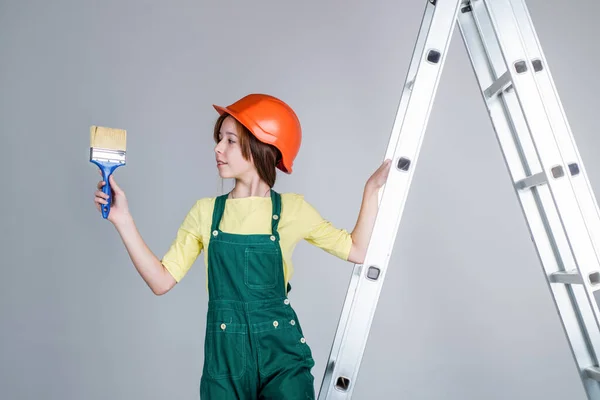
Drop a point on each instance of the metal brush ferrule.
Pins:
(107, 155)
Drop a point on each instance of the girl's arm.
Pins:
(146, 263)
(368, 212)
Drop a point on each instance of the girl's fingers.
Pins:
(100, 197)
(114, 186)
(100, 193)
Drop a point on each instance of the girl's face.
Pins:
(228, 153)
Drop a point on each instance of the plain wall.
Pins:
(465, 312)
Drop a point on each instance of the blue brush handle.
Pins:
(107, 169)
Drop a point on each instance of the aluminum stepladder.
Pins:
(542, 159)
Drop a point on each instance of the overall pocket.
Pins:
(226, 350)
(262, 266)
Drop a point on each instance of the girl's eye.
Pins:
(231, 141)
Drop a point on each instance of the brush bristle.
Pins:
(108, 138)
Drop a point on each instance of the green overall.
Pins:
(254, 347)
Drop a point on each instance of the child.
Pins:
(254, 347)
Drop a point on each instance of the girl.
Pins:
(254, 347)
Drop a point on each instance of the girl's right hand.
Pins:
(119, 209)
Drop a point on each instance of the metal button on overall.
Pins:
(254, 346)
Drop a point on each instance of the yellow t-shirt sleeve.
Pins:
(322, 233)
(186, 246)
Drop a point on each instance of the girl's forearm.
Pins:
(146, 263)
(361, 234)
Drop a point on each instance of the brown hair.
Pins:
(264, 156)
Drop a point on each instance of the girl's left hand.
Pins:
(377, 180)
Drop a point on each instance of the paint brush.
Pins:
(107, 151)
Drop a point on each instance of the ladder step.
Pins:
(593, 373)
(531, 181)
(500, 85)
(566, 277)
(573, 278)
(541, 179)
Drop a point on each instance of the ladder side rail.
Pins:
(585, 296)
(417, 54)
(555, 171)
(546, 206)
(512, 134)
(406, 151)
(415, 62)
(560, 126)
(570, 153)
(328, 381)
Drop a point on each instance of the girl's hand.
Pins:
(377, 180)
(119, 209)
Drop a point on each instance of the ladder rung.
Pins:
(593, 373)
(541, 179)
(533, 180)
(499, 85)
(566, 277)
(573, 278)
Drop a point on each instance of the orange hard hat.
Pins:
(271, 121)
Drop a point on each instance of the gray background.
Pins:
(465, 312)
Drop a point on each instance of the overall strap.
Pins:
(276, 213)
(218, 212)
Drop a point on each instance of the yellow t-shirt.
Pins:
(252, 215)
